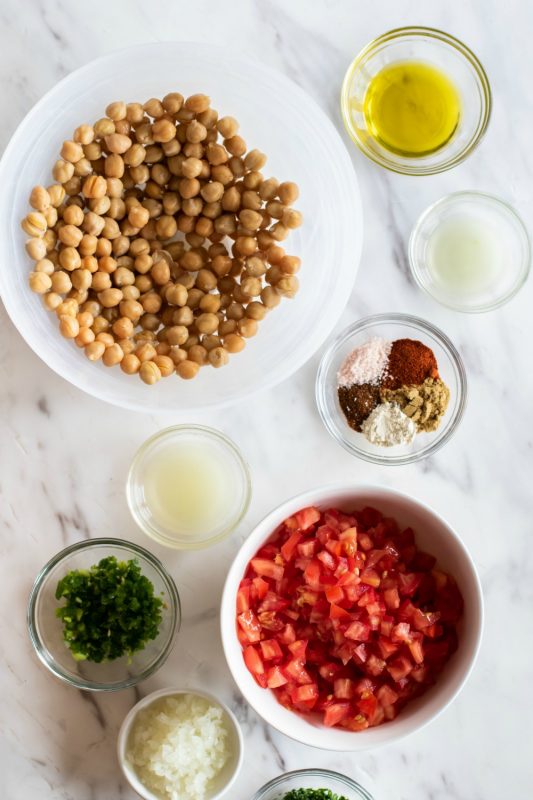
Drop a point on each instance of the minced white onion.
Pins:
(177, 745)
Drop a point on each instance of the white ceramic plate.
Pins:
(277, 117)
(433, 535)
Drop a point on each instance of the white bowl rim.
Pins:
(319, 495)
(128, 720)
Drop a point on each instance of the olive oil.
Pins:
(411, 108)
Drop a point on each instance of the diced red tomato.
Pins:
(250, 625)
(343, 688)
(253, 661)
(275, 678)
(267, 569)
(336, 713)
(334, 594)
(386, 695)
(288, 548)
(312, 574)
(271, 650)
(295, 671)
(305, 695)
(337, 609)
(391, 598)
(370, 577)
(260, 587)
(399, 668)
(358, 631)
(243, 599)
(307, 517)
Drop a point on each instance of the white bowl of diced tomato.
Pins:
(351, 616)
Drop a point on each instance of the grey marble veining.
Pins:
(57, 486)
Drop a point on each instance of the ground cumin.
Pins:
(424, 404)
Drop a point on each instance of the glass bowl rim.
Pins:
(362, 325)
(447, 38)
(326, 773)
(86, 544)
(509, 210)
(152, 531)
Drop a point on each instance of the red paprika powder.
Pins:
(410, 363)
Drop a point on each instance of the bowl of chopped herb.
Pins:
(312, 784)
(102, 614)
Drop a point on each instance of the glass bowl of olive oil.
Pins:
(416, 101)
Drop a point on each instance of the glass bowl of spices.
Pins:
(416, 100)
(470, 251)
(391, 389)
(312, 784)
(102, 614)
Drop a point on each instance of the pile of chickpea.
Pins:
(158, 245)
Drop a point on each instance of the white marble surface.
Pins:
(58, 483)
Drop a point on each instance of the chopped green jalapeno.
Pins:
(312, 794)
(110, 610)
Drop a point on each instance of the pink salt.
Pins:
(366, 364)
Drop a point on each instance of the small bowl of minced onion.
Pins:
(180, 743)
(312, 784)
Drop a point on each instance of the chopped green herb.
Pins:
(110, 610)
(312, 794)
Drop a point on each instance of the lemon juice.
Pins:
(190, 487)
(466, 255)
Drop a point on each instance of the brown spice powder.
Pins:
(424, 404)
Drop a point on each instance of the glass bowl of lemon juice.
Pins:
(470, 251)
(188, 487)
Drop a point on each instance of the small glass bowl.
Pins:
(223, 447)
(517, 249)
(312, 779)
(218, 785)
(391, 326)
(447, 54)
(46, 630)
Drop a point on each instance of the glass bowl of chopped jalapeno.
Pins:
(102, 614)
(312, 784)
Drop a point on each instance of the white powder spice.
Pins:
(366, 364)
(387, 425)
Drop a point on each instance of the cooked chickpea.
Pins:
(84, 337)
(40, 282)
(95, 350)
(34, 224)
(177, 335)
(110, 298)
(270, 297)
(130, 364)
(40, 199)
(149, 372)
(207, 323)
(71, 151)
(112, 355)
(94, 186)
(36, 249)
(69, 326)
(187, 369)
(165, 364)
(234, 343)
